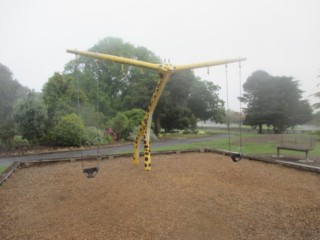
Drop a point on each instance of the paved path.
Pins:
(105, 151)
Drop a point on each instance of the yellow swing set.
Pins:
(165, 72)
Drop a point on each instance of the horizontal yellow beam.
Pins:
(116, 59)
(207, 64)
(159, 67)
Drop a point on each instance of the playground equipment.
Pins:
(235, 156)
(165, 72)
(91, 170)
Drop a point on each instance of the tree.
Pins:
(120, 125)
(94, 136)
(7, 133)
(317, 94)
(118, 88)
(10, 92)
(256, 96)
(187, 99)
(172, 111)
(31, 117)
(70, 131)
(92, 118)
(234, 117)
(178, 118)
(316, 119)
(204, 101)
(274, 101)
(134, 116)
(60, 96)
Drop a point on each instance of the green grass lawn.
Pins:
(252, 144)
(2, 169)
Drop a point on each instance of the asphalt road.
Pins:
(105, 150)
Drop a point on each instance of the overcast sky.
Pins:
(281, 37)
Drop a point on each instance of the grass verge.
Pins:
(252, 144)
(2, 169)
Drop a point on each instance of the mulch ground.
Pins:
(185, 196)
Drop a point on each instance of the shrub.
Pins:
(190, 131)
(94, 136)
(31, 118)
(132, 136)
(7, 133)
(107, 138)
(135, 116)
(110, 135)
(120, 125)
(70, 131)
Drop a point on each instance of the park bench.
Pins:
(295, 144)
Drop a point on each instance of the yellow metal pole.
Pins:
(159, 67)
(146, 124)
(116, 59)
(206, 64)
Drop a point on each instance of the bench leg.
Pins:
(278, 152)
(307, 152)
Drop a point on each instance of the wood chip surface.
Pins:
(185, 196)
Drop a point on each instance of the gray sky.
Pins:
(281, 37)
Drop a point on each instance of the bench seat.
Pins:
(293, 148)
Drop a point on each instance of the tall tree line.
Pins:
(274, 101)
(95, 94)
(95, 100)
(117, 88)
(11, 91)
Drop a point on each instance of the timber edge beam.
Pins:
(271, 160)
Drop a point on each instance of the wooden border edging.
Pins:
(223, 152)
(6, 174)
(299, 166)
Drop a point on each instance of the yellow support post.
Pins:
(165, 71)
(146, 124)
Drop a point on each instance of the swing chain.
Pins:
(236, 157)
(91, 171)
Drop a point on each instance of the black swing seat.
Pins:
(90, 172)
(236, 157)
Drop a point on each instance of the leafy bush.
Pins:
(107, 138)
(186, 131)
(7, 133)
(92, 118)
(135, 116)
(94, 136)
(120, 125)
(31, 117)
(178, 118)
(20, 143)
(110, 134)
(70, 131)
(132, 136)
(189, 131)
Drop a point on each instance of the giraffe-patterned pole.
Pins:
(146, 124)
